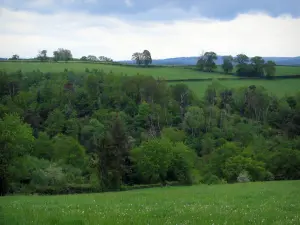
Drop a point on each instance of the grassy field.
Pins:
(163, 72)
(276, 203)
(276, 87)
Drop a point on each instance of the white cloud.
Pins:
(25, 33)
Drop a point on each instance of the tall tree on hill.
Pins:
(62, 55)
(138, 58)
(242, 66)
(15, 57)
(201, 62)
(206, 61)
(210, 58)
(147, 57)
(269, 68)
(42, 55)
(227, 64)
(257, 63)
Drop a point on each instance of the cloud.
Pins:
(26, 32)
(217, 9)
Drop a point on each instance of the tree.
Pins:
(67, 150)
(83, 58)
(241, 59)
(173, 134)
(55, 123)
(227, 64)
(153, 159)
(120, 147)
(183, 163)
(92, 58)
(62, 55)
(257, 63)
(104, 59)
(138, 58)
(15, 140)
(194, 120)
(15, 57)
(270, 68)
(42, 55)
(210, 58)
(147, 57)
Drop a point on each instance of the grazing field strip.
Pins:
(276, 203)
(157, 72)
(277, 87)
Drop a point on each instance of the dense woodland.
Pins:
(99, 132)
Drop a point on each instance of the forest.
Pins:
(95, 131)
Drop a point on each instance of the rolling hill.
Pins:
(287, 61)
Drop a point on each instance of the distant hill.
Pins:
(193, 60)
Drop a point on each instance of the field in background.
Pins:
(275, 203)
(162, 72)
(276, 87)
(168, 72)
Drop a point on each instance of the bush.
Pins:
(67, 189)
(243, 177)
(212, 179)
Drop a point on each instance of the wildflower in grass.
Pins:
(244, 177)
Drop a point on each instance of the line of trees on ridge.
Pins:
(245, 66)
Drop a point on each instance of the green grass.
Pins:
(287, 70)
(276, 203)
(163, 72)
(276, 87)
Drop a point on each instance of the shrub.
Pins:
(211, 179)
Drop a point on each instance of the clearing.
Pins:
(276, 203)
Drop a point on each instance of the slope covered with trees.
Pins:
(95, 131)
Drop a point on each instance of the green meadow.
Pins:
(167, 73)
(275, 87)
(274, 203)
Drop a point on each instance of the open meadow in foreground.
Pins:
(275, 87)
(276, 203)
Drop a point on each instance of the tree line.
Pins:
(99, 131)
(245, 66)
(62, 54)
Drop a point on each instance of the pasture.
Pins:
(279, 88)
(276, 203)
(167, 73)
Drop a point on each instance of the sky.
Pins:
(167, 28)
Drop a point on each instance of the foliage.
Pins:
(227, 65)
(206, 62)
(107, 131)
(153, 159)
(62, 55)
(142, 58)
(42, 56)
